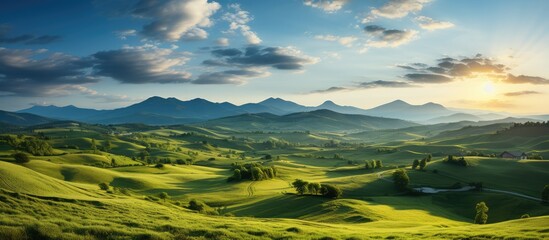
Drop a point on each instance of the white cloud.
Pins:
(223, 42)
(173, 20)
(124, 34)
(238, 20)
(347, 41)
(326, 5)
(431, 24)
(396, 9)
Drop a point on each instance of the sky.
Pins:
(489, 55)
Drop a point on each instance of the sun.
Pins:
(489, 88)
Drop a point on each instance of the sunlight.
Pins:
(489, 88)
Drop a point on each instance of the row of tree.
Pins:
(313, 188)
(372, 164)
(251, 171)
(421, 163)
(33, 145)
(456, 161)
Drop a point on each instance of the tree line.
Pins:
(251, 171)
(313, 188)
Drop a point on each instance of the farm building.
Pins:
(514, 155)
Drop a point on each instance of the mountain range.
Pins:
(170, 111)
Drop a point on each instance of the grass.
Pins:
(57, 197)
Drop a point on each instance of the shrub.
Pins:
(401, 179)
(482, 213)
(201, 207)
(159, 165)
(21, 157)
(104, 186)
(525, 215)
(330, 191)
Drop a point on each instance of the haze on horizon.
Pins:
(489, 55)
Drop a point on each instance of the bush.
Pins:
(201, 207)
(525, 215)
(330, 191)
(159, 165)
(21, 157)
(104, 186)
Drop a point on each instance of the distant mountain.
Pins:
(456, 117)
(539, 117)
(22, 119)
(404, 110)
(165, 111)
(318, 120)
(66, 113)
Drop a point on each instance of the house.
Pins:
(514, 155)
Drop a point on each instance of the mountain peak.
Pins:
(398, 102)
(328, 103)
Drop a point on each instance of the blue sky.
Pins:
(470, 54)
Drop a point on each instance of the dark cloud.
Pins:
(228, 52)
(427, 78)
(383, 37)
(229, 77)
(521, 93)
(368, 85)
(25, 38)
(282, 58)
(406, 67)
(22, 73)
(374, 29)
(384, 84)
(141, 65)
(45, 39)
(525, 79)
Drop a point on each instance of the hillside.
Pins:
(22, 119)
(319, 120)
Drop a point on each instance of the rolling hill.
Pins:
(22, 119)
(319, 120)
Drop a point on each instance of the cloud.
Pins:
(427, 78)
(450, 69)
(93, 94)
(282, 58)
(368, 85)
(329, 6)
(27, 39)
(345, 41)
(431, 24)
(520, 93)
(238, 76)
(24, 73)
(382, 37)
(172, 20)
(222, 42)
(525, 79)
(137, 65)
(124, 34)
(238, 20)
(395, 9)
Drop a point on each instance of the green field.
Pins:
(57, 196)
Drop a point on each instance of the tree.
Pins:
(104, 186)
(415, 164)
(237, 176)
(13, 142)
(330, 191)
(93, 146)
(257, 174)
(401, 179)
(379, 164)
(314, 188)
(21, 157)
(107, 145)
(300, 186)
(422, 163)
(545, 194)
(429, 157)
(164, 196)
(143, 155)
(113, 162)
(482, 213)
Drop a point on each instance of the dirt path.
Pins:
(512, 193)
(251, 189)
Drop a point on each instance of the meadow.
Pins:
(171, 182)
